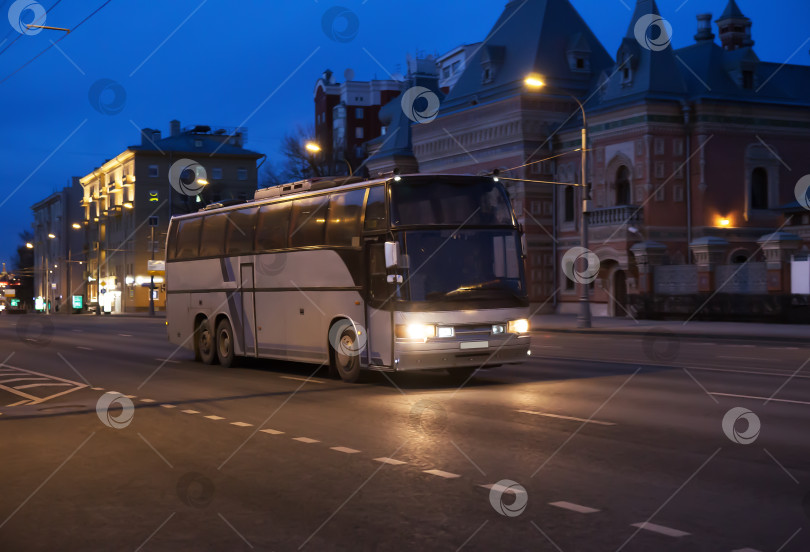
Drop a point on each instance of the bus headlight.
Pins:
(498, 329)
(518, 326)
(416, 331)
(446, 331)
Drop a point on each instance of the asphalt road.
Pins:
(604, 442)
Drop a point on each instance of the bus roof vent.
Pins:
(321, 183)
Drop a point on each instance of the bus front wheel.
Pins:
(225, 343)
(205, 343)
(345, 358)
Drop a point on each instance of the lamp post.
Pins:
(537, 82)
(314, 148)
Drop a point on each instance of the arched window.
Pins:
(623, 186)
(759, 188)
(569, 203)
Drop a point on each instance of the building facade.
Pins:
(128, 201)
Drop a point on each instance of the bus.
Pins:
(407, 272)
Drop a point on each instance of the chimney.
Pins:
(146, 136)
(704, 28)
(174, 128)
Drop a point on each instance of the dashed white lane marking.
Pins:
(190, 411)
(655, 528)
(131, 396)
(97, 388)
(241, 424)
(168, 406)
(272, 431)
(549, 415)
(215, 417)
(167, 360)
(502, 489)
(759, 398)
(573, 507)
(347, 450)
(78, 331)
(386, 460)
(305, 440)
(30, 385)
(148, 400)
(302, 379)
(84, 348)
(125, 335)
(440, 473)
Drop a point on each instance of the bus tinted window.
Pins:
(188, 238)
(171, 242)
(308, 221)
(274, 222)
(241, 231)
(451, 202)
(344, 217)
(375, 208)
(212, 241)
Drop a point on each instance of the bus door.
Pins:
(379, 315)
(247, 282)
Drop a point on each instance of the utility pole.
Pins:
(152, 276)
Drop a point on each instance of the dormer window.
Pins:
(487, 75)
(579, 53)
(491, 60)
(748, 80)
(580, 63)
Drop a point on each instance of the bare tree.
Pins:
(296, 162)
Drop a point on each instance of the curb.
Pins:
(657, 331)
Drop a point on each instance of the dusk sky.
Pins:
(252, 63)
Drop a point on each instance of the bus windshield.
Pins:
(448, 265)
(467, 202)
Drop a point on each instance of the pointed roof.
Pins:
(732, 11)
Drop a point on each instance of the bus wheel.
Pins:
(205, 343)
(225, 343)
(345, 360)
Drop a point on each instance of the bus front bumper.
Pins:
(435, 354)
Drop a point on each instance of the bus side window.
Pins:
(188, 238)
(171, 242)
(212, 241)
(375, 209)
(308, 221)
(272, 227)
(241, 231)
(343, 224)
(378, 285)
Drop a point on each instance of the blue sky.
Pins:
(228, 58)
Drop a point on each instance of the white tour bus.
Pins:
(403, 273)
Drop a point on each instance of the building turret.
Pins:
(735, 28)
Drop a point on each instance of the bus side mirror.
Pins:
(391, 254)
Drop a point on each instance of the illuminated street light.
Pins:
(77, 226)
(534, 81)
(29, 245)
(52, 236)
(312, 147)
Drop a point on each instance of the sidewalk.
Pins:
(567, 323)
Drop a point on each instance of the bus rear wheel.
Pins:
(225, 343)
(345, 359)
(205, 343)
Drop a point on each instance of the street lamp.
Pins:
(537, 82)
(315, 148)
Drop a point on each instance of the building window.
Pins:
(456, 66)
(359, 113)
(197, 143)
(660, 146)
(677, 193)
(759, 189)
(623, 186)
(659, 170)
(358, 132)
(242, 174)
(216, 173)
(153, 171)
(446, 73)
(569, 204)
(677, 147)
(748, 80)
(661, 193)
(580, 63)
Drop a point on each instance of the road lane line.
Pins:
(572, 418)
(18, 403)
(168, 405)
(23, 379)
(148, 400)
(347, 450)
(502, 489)
(190, 411)
(131, 396)
(97, 388)
(125, 335)
(301, 379)
(305, 440)
(241, 424)
(655, 528)
(759, 398)
(30, 385)
(272, 431)
(386, 460)
(215, 417)
(573, 507)
(84, 348)
(444, 474)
